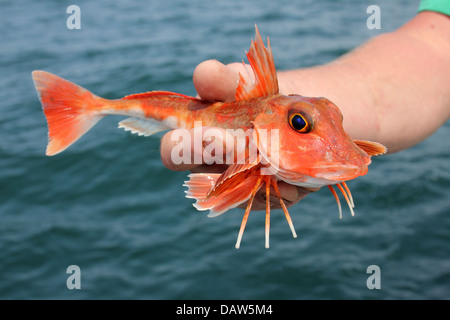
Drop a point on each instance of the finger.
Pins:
(166, 149)
(213, 168)
(289, 193)
(183, 149)
(218, 82)
(244, 69)
(214, 81)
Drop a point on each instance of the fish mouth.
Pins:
(340, 173)
(320, 176)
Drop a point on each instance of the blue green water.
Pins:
(109, 206)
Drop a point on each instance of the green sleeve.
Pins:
(442, 6)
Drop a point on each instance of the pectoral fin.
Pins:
(199, 185)
(370, 147)
(234, 175)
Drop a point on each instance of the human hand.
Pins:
(216, 82)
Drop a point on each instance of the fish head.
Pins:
(304, 141)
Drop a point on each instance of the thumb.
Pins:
(218, 82)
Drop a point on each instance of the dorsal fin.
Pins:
(371, 148)
(153, 94)
(261, 62)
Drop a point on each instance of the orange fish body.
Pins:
(312, 149)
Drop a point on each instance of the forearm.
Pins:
(394, 89)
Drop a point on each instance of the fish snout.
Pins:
(344, 165)
(342, 172)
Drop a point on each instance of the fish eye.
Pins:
(299, 122)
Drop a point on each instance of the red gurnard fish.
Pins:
(313, 148)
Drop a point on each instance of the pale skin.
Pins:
(394, 89)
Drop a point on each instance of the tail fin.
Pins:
(70, 110)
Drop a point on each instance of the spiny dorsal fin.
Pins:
(261, 62)
(154, 94)
(371, 148)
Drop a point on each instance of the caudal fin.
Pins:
(70, 110)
